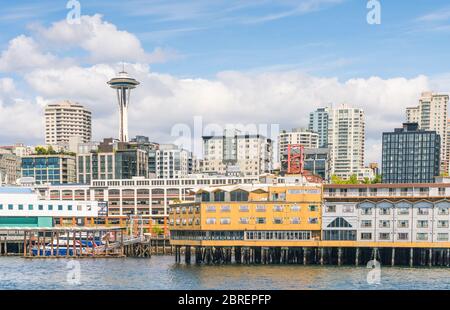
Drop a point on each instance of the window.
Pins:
(313, 220)
(422, 224)
(277, 220)
(40, 207)
(60, 207)
(347, 209)
(278, 208)
(422, 211)
(385, 236)
(30, 207)
(243, 208)
(339, 222)
(239, 196)
(20, 207)
(225, 209)
(260, 220)
(219, 196)
(443, 211)
(331, 209)
(403, 211)
(403, 224)
(210, 209)
(366, 236)
(1, 207)
(385, 211)
(10, 207)
(422, 236)
(210, 221)
(313, 208)
(243, 220)
(295, 208)
(403, 236)
(50, 208)
(69, 207)
(366, 223)
(366, 211)
(385, 224)
(225, 221)
(442, 236)
(442, 224)
(295, 220)
(260, 208)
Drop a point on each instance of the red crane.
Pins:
(295, 159)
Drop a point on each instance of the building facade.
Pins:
(9, 167)
(346, 140)
(385, 213)
(432, 114)
(242, 215)
(317, 161)
(410, 155)
(149, 198)
(237, 154)
(64, 120)
(318, 122)
(111, 160)
(24, 207)
(304, 137)
(170, 161)
(54, 169)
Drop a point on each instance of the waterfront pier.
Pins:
(338, 256)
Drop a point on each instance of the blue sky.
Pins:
(213, 36)
(260, 61)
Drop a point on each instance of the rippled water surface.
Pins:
(160, 272)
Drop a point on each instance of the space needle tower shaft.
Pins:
(123, 84)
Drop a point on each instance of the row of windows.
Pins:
(242, 220)
(404, 211)
(404, 224)
(405, 236)
(31, 207)
(261, 208)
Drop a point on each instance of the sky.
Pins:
(248, 62)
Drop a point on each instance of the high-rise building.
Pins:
(410, 155)
(413, 115)
(237, 154)
(53, 169)
(431, 114)
(304, 137)
(318, 122)
(64, 120)
(346, 140)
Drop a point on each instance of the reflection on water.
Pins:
(162, 273)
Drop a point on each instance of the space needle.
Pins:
(123, 83)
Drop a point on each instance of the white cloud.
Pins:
(101, 40)
(284, 98)
(23, 53)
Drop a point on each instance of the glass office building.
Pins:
(410, 155)
(54, 169)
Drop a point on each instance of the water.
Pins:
(160, 272)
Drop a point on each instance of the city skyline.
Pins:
(179, 82)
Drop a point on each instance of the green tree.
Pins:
(157, 231)
(353, 179)
(377, 179)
